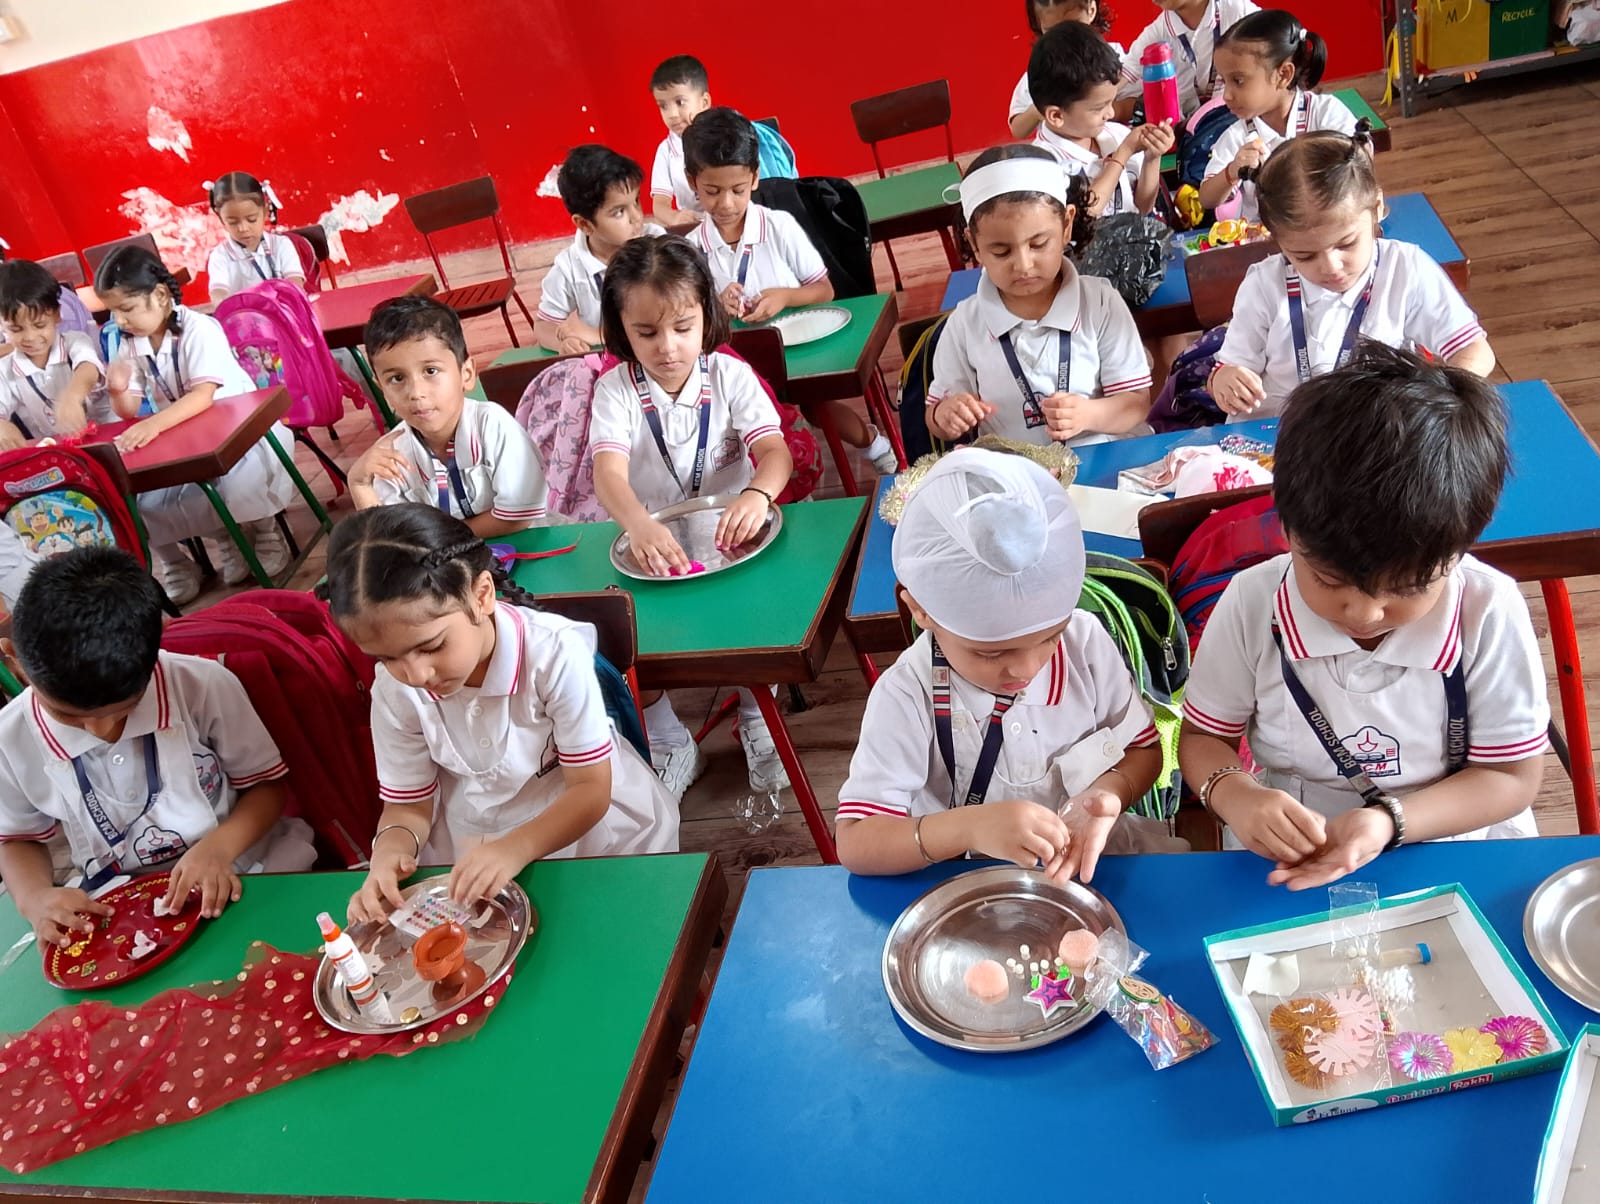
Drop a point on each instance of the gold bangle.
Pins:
(1126, 781)
(916, 831)
(1210, 784)
(400, 827)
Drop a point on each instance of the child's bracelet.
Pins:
(1126, 781)
(916, 831)
(378, 835)
(761, 491)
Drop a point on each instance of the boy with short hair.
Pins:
(54, 384)
(600, 189)
(1389, 684)
(761, 260)
(682, 92)
(468, 457)
(147, 760)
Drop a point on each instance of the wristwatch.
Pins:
(1397, 813)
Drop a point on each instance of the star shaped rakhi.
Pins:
(1053, 993)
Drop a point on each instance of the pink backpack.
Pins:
(309, 267)
(277, 341)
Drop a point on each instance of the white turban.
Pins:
(990, 547)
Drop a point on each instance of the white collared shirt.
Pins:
(1387, 705)
(233, 269)
(1081, 161)
(498, 465)
(572, 285)
(1310, 112)
(1107, 355)
(199, 354)
(741, 416)
(210, 744)
(1194, 74)
(30, 392)
(1413, 305)
(667, 177)
(492, 753)
(781, 256)
(1077, 718)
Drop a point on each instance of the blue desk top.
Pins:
(1554, 487)
(1411, 219)
(804, 1085)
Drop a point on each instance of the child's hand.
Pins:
(572, 344)
(381, 461)
(1252, 155)
(1131, 146)
(137, 435)
(573, 336)
(954, 416)
(63, 915)
(733, 300)
(119, 375)
(1066, 415)
(1158, 138)
(208, 869)
(10, 437)
(1236, 390)
(1268, 822)
(765, 306)
(1020, 832)
(380, 893)
(1089, 817)
(1354, 838)
(71, 418)
(742, 520)
(655, 551)
(483, 871)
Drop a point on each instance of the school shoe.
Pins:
(677, 766)
(179, 576)
(881, 452)
(272, 550)
(229, 562)
(767, 774)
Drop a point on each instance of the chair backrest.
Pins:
(611, 611)
(1215, 277)
(66, 268)
(456, 205)
(762, 348)
(904, 111)
(504, 384)
(1165, 526)
(317, 237)
(93, 255)
(771, 123)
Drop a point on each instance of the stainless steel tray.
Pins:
(988, 913)
(493, 945)
(694, 525)
(1562, 928)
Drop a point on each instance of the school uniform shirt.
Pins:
(1081, 161)
(1311, 111)
(497, 465)
(1387, 705)
(29, 392)
(234, 269)
(741, 415)
(1022, 96)
(490, 753)
(667, 176)
(572, 285)
(1107, 355)
(1413, 305)
(211, 746)
(781, 256)
(1192, 52)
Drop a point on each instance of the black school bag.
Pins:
(833, 217)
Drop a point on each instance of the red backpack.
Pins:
(1229, 540)
(57, 498)
(312, 688)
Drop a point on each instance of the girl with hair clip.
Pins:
(252, 252)
(1334, 282)
(177, 362)
(1040, 353)
(1043, 15)
(493, 745)
(1268, 63)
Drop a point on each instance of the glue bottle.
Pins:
(352, 967)
(1160, 85)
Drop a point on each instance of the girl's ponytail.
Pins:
(1310, 60)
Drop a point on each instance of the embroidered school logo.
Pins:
(156, 845)
(728, 453)
(1377, 754)
(548, 759)
(209, 774)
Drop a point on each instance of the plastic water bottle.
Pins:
(1160, 85)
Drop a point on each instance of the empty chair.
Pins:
(321, 265)
(66, 268)
(457, 205)
(93, 255)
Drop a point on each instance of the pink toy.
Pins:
(987, 982)
(1078, 949)
(1517, 1036)
(1160, 85)
(694, 567)
(1053, 993)
(1420, 1055)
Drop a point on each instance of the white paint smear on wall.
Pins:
(166, 133)
(184, 234)
(354, 214)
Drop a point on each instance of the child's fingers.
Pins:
(211, 895)
(177, 888)
(1312, 827)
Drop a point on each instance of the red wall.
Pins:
(329, 96)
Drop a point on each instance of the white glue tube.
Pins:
(352, 967)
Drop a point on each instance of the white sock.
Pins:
(749, 710)
(662, 725)
(879, 445)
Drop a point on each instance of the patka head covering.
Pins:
(1022, 175)
(990, 546)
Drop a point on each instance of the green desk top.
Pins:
(908, 192)
(841, 351)
(524, 1104)
(771, 602)
(524, 355)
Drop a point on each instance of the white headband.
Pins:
(1012, 175)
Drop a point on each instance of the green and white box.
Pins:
(1569, 1164)
(1469, 978)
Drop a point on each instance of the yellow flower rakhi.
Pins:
(1473, 1048)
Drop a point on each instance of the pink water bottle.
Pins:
(1160, 85)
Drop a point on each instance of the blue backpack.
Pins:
(620, 705)
(916, 378)
(1201, 134)
(777, 156)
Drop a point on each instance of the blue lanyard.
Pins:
(97, 812)
(49, 405)
(177, 374)
(1297, 321)
(449, 480)
(641, 386)
(1188, 51)
(993, 736)
(1302, 122)
(744, 266)
(1032, 411)
(272, 263)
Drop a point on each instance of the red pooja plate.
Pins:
(104, 957)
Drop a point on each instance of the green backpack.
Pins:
(1143, 623)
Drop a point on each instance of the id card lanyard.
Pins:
(1297, 320)
(447, 477)
(652, 418)
(177, 372)
(993, 736)
(113, 838)
(1194, 62)
(1302, 121)
(1032, 411)
(272, 263)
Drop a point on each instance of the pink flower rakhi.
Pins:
(1357, 1012)
(1420, 1055)
(1517, 1036)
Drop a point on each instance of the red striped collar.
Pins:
(1430, 642)
(756, 213)
(1065, 312)
(152, 714)
(1050, 683)
(22, 367)
(504, 675)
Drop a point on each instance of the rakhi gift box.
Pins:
(1569, 1164)
(1428, 1001)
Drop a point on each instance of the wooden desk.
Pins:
(553, 1100)
(342, 313)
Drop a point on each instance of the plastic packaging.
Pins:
(758, 812)
(1131, 251)
(1160, 85)
(1165, 1031)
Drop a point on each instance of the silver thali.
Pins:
(494, 938)
(1561, 925)
(694, 525)
(988, 913)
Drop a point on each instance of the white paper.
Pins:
(1109, 511)
(1266, 974)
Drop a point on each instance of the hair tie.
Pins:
(442, 556)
